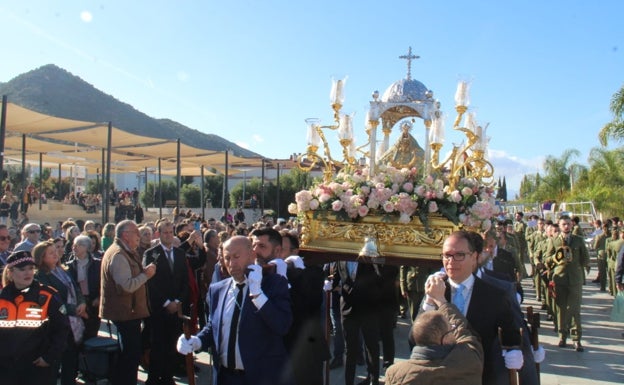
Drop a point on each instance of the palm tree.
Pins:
(615, 128)
(556, 182)
(606, 178)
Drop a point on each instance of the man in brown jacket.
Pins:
(446, 352)
(124, 297)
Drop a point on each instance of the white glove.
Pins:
(280, 266)
(254, 279)
(188, 346)
(513, 359)
(328, 285)
(539, 354)
(296, 261)
(440, 274)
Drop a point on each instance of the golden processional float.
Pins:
(399, 201)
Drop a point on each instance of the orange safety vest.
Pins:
(25, 314)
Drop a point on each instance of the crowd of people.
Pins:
(258, 307)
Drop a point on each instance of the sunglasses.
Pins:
(34, 231)
(4, 238)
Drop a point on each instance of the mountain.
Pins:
(54, 91)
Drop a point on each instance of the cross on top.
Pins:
(409, 58)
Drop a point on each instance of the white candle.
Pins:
(346, 127)
(337, 92)
(461, 95)
(314, 139)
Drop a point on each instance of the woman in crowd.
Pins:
(95, 249)
(108, 235)
(50, 272)
(30, 351)
(84, 268)
(145, 240)
(71, 233)
(59, 245)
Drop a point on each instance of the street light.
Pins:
(244, 170)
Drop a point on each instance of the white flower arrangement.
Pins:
(391, 192)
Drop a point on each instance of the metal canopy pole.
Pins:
(106, 206)
(2, 135)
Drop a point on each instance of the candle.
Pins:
(337, 92)
(314, 139)
(439, 134)
(346, 127)
(461, 95)
(469, 123)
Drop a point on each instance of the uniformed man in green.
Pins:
(613, 248)
(509, 242)
(534, 242)
(412, 283)
(567, 255)
(600, 245)
(520, 228)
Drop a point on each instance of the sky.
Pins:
(542, 72)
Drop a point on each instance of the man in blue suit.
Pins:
(249, 316)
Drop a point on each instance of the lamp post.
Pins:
(244, 170)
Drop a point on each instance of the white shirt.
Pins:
(226, 322)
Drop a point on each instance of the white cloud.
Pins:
(243, 145)
(86, 16)
(258, 138)
(513, 168)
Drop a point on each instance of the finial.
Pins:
(409, 58)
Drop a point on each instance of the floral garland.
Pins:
(404, 192)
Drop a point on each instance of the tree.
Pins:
(213, 190)
(615, 128)
(151, 194)
(556, 182)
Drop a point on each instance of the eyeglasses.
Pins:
(456, 256)
(34, 231)
(4, 238)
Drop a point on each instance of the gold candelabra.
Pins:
(316, 137)
(465, 160)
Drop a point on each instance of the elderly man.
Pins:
(30, 237)
(123, 297)
(445, 351)
(249, 316)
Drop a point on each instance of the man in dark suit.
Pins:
(248, 317)
(167, 290)
(361, 286)
(305, 341)
(528, 374)
(486, 307)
